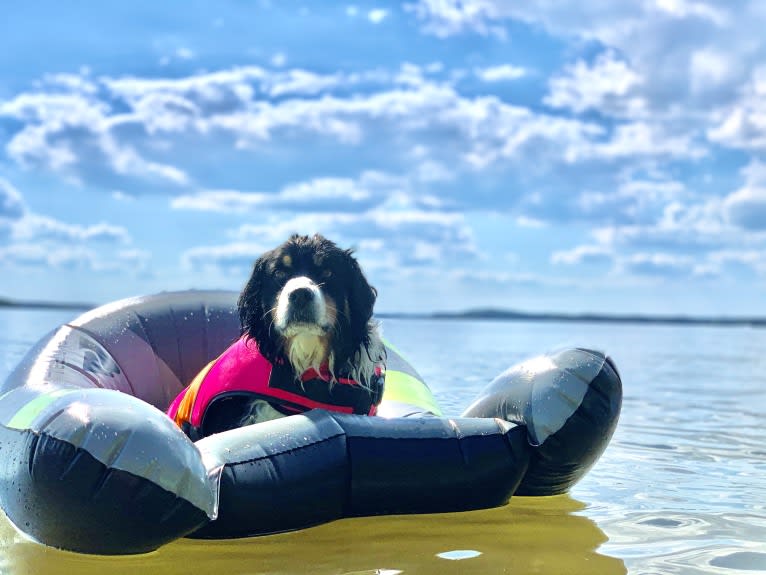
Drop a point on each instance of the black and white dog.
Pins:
(308, 305)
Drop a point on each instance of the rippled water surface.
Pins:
(680, 489)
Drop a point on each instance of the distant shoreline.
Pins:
(17, 304)
(507, 315)
(480, 314)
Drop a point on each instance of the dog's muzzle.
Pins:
(300, 303)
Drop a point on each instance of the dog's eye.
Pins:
(280, 274)
(326, 273)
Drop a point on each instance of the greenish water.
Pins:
(680, 489)
(518, 538)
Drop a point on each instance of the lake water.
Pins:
(680, 489)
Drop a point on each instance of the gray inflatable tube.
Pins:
(91, 463)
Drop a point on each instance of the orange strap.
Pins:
(190, 394)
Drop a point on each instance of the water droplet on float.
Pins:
(459, 554)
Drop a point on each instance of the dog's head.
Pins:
(308, 302)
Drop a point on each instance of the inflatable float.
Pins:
(91, 463)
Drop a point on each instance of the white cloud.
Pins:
(184, 54)
(126, 161)
(527, 222)
(42, 228)
(690, 57)
(377, 16)
(489, 129)
(710, 68)
(76, 257)
(602, 19)
(36, 255)
(411, 108)
(302, 82)
(686, 9)
(11, 203)
(718, 261)
(225, 201)
(696, 226)
(234, 258)
(432, 171)
(325, 194)
(482, 278)
(79, 134)
(33, 240)
(66, 132)
(633, 199)
(669, 231)
(583, 254)
(389, 239)
(45, 115)
(501, 73)
(325, 189)
(62, 108)
(210, 88)
(445, 18)
(607, 87)
(694, 235)
(78, 83)
(642, 139)
(743, 124)
(661, 265)
(745, 208)
(160, 112)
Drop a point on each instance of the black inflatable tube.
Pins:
(558, 462)
(350, 465)
(71, 500)
(90, 463)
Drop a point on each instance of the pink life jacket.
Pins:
(241, 374)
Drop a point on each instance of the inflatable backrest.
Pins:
(149, 347)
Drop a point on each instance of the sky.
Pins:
(571, 156)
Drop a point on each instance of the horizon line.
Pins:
(494, 314)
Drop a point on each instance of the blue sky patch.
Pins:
(569, 157)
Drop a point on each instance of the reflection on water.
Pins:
(531, 535)
(681, 488)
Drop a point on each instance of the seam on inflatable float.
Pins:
(458, 436)
(78, 455)
(81, 371)
(32, 451)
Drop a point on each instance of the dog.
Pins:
(307, 310)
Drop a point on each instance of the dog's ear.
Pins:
(361, 300)
(360, 350)
(254, 316)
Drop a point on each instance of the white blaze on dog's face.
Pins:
(304, 316)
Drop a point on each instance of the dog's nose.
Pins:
(301, 296)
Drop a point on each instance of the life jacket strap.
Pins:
(184, 412)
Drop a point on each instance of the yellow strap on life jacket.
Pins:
(184, 412)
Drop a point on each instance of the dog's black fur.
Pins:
(354, 346)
